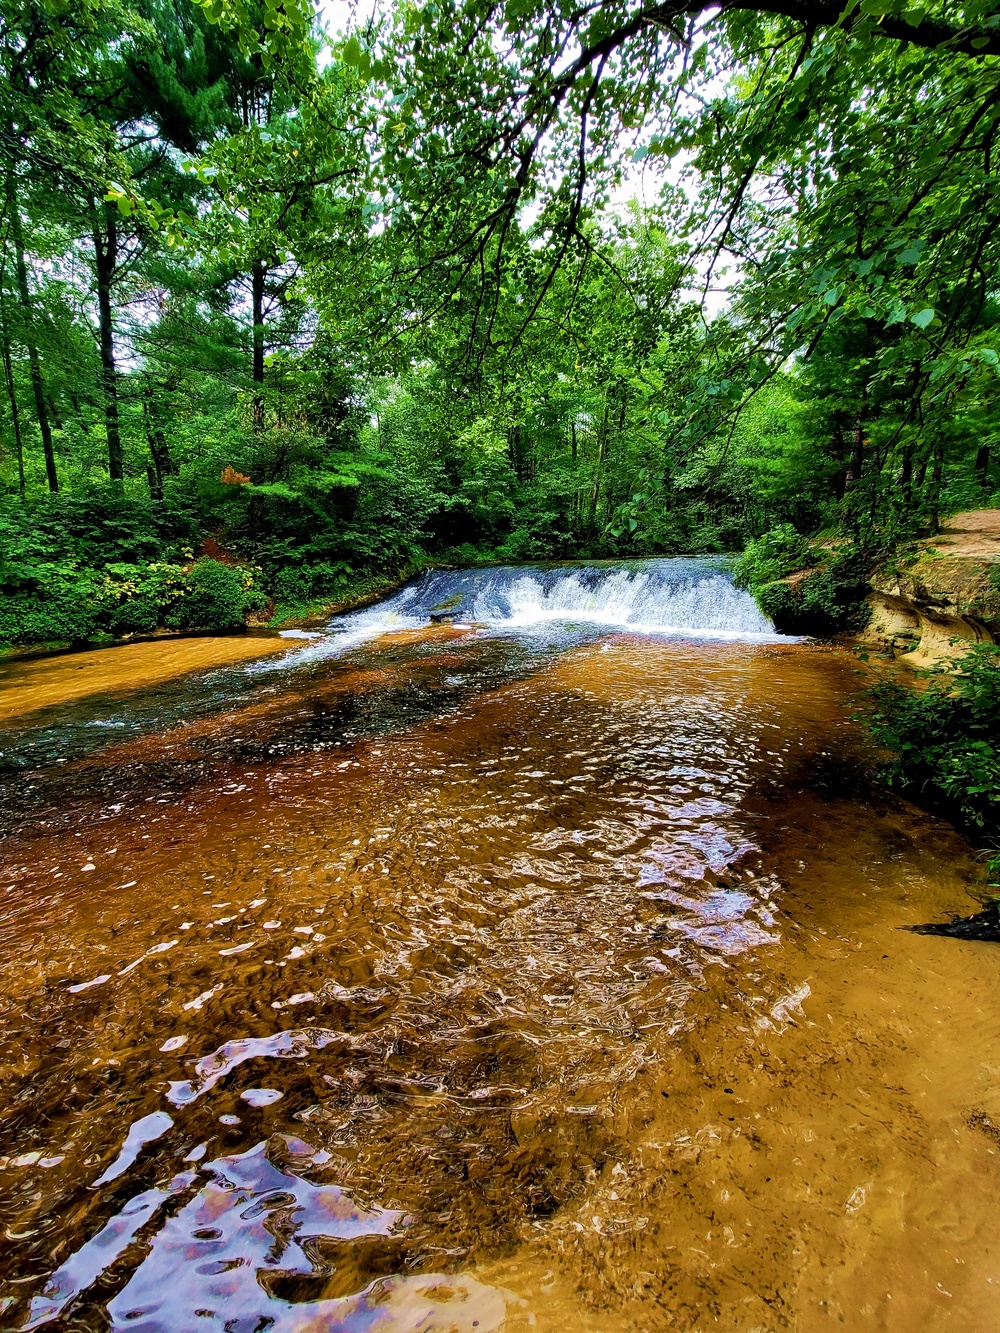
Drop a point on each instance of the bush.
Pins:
(777, 601)
(779, 552)
(136, 598)
(141, 615)
(297, 585)
(946, 742)
(466, 554)
(827, 600)
(27, 619)
(216, 597)
(294, 585)
(48, 602)
(833, 598)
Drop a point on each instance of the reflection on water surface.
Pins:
(486, 979)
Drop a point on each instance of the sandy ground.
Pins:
(974, 535)
(28, 686)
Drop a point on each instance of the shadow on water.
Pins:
(983, 925)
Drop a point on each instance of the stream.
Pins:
(527, 951)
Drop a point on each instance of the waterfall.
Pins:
(693, 597)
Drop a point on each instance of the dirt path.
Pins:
(974, 535)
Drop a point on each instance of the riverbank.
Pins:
(940, 595)
(272, 618)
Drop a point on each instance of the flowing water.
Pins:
(539, 968)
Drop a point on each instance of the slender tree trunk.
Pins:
(34, 362)
(15, 415)
(574, 454)
(515, 452)
(857, 453)
(937, 477)
(906, 476)
(602, 450)
(159, 451)
(106, 261)
(839, 450)
(257, 286)
(983, 465)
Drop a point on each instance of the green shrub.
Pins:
(829, 599)
(292, 584)
(216, 597)
(140, 615)
(777, 553)
(136, 598)
(48, 601)
(466, 554)
(777, 601)
(946, 741)
(27, 619)
(833, 598)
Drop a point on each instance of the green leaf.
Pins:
(922, 318)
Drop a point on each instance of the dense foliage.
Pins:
(946, 743)
(327, 308)
(815, 588)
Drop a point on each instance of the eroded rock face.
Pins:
(931, 605)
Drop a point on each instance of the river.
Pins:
(541, 968)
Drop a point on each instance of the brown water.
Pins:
(456, 985)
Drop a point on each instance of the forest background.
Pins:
(283, 315)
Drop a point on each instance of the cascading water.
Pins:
(684, 596)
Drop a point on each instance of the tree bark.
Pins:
(15, 415)
(602, 449)
(937, 480)
(105, 264)
(983, 464)
(34, 362)
(857, 454)
(906, 476)
(159, 450)
(257, 287)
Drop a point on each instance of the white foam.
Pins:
(689, 598)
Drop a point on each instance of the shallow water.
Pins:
(521, 977)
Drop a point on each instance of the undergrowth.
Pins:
(945, 744)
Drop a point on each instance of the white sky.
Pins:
(642, 183)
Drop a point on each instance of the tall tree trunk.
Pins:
(15, 415)
(838, 448)
(602, 450)
(906, 476)
(257, 287)
(106, 261)
(159, 451)
(857, 453)
(937, 477)
(574, 453)
(34, 362)
(983, 465)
